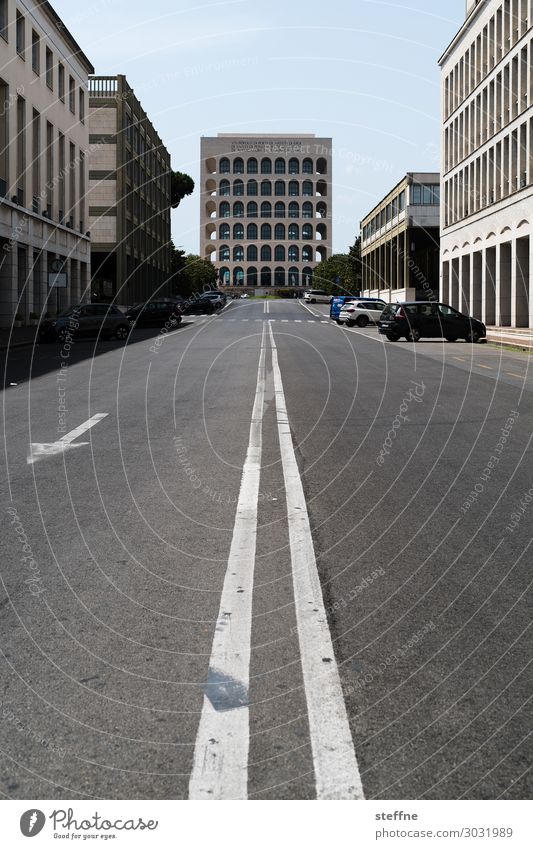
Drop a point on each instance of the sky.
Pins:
(364, 72)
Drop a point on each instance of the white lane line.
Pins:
(220, 768)
(38, 450)
(297, 320)
(267, 307)
(316, 315)
(285, 320)
(335, 763)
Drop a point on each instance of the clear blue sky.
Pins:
(362, 71)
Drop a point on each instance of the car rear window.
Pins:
(390, 310)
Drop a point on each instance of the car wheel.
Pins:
(362, 321)
(392, 337)
(312, 301)
(472, 336)
(451, 338)
(350, 323)
(414, 335)
(339, 323)
(63, 334)
(122, 332)
(175, 321)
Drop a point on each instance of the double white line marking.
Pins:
(220, 768)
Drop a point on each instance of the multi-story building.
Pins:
(129, 196)
(44, 139)
(487, 152)
(265, 217)
(400, 241)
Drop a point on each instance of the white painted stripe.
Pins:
(266, 307)
(220, 769)
(336, 769)
(73, 434)
(39, 450)
(317, 315)
(285, 320)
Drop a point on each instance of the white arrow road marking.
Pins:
(336, 770)
(38, 450)
(220, 768)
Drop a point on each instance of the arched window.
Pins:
(294, 209)
(238, 253)
(238, 209)
(279, 188)
(224, 231)
(266, 231)
(293, 276)
(224, 166)
(251, 277)
(322, 165)
(238, 188)
(307, 231)
(251, 188)
(224, 188)
(251, 232)
(251, 166)
(294, 166)
(224, 276)
(307, 254)
(266, 166)
(251, 209)
(279, 232)
(225, 209)
(307, 166)
(321, 210)
(279, 166)
(238, 231)
(224, 253)
(266, 209)
(307, 277)
(279, 277)
(307, 209)
(266, 253)
(294, 189)
(307, 188)
(279, 209)
(238, 276)
(294, 253)
(266, 188)
(266, 277)
(279, 253)
(238, 166)
(251, 253)
(294, 231)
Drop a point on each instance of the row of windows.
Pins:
(265, 188)
(498, 37)
(280, 166)
(387, 214)
(265, 277)
(500, 101)
(252, 253)
(504, 168)
(252, 231)
(280, 210)
(50, 69)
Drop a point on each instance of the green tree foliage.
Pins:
(180, 186)
(192, 274)
(336, 275)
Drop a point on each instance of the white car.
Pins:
(244, 295)
(317, 296)
(361, 313)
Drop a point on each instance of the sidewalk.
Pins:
(519, 337)
(16, 337)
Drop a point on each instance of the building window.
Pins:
(266, 277)
(279, 232)
(266, 166)
(266, 253)
(36, 161)
(294, 253)
(224, 189)
(21, 150)
(251, 188)
(251, 166)
(294, 188)
(224, 253)
(225, 276)
(49, 68)
(251, 232)
(279, 253)
(401, 201)
(224, 209)
(224, 166)
(293, 276)
(3, 19)
(238, 253)
(279, 166)
(266, 231)
(61, 82)
(71, 94)
(307, 188)
(294, 232)
(82, 105)
(279, 188)
(238, 277)
(294, 166)
(238, 188)
(238, 209)
(294, 209)
(307, 231)
(307, 254)
(307, 210)
(4, 176)
(35, 52)
(266, 188)
(279, 277)
(307, 166)
(251, 277)
(224, 231)
(49, 170)
(307, 277)
(279, 210)
(266, 210)
(20, 35)
(251, 253)
(251, 209)
(238, 231)
(238, 166)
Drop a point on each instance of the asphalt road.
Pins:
(285, 560)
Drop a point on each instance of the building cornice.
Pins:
(66, 35)
(466, 26)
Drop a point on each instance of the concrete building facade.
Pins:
(129, 196)
(487, 164)
(44, 144)
(400, 241)
(265, 212)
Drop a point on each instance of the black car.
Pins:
(103, 320)
(156, 313)
(193, 306)
(417, 319)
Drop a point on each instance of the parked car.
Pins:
(337, 303)
(361, 312)
(164, 311)
(216, 299)
(417, 319)
(244, 295)
(317, 296)
(193, 306)
(103, 320)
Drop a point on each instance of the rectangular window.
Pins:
(36, 161)
(49, 170)
(61, 82)
(61, 184)
(416, 195)
(82, 105)
(427, 196)
(401, 201)
(21, 35)
(72, 182)
(82, 191)
(4, 95)
(71, 94)
(3, 19)
(49, 68)
(35, 51)
(21, 150)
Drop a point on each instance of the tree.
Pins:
(180, 186)
(194, 275)
(337, 275)
(355, 254)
